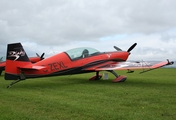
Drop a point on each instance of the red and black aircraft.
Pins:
(74, 61)
(32, 59)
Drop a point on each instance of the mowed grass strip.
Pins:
(142, 96)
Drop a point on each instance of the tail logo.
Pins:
(16, 54)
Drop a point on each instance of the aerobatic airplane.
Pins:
(74, 61)
(32, 59)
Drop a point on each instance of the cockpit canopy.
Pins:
(82, 52)
(2, 59)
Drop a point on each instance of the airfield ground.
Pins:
(148, 96)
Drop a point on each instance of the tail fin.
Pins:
(16, 57)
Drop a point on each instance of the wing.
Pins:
(132, 65)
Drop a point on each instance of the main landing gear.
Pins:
(117, 79)
(96, 77)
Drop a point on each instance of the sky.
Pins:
(53, 26)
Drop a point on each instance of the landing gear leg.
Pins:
(114, 73)
(96, 77)
(118, 77)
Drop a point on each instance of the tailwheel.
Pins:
(96, 77)
(119, 79)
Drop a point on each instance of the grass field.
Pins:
(148, 96)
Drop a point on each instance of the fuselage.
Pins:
(63, 64)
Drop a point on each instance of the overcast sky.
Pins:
(53, 26)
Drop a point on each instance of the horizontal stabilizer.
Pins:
(32, 67)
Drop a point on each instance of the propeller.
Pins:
(129, 49)
(118, 49)
(1, 59)
(41, 57)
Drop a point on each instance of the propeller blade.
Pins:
(131, 47)
(41, 57)
(1, 58)
(37, 55)
(118, 49)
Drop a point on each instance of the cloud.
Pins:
(62, 24)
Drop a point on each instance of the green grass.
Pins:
(145, 96)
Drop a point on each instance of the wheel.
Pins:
(95, 78)
(120, 79)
